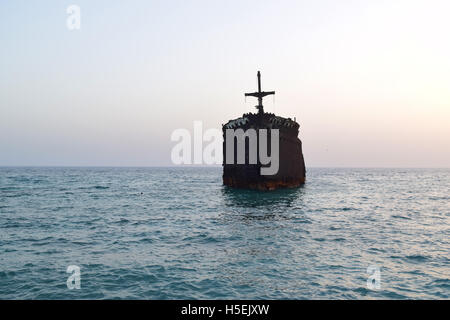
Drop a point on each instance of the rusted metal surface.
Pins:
(291, 171)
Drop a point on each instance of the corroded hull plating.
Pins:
(235, 182)
(291, 172)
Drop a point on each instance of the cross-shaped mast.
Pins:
(260, 95)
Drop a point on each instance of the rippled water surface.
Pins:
(173, 233)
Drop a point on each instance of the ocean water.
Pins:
(177, 233)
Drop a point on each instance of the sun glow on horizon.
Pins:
(368, 81)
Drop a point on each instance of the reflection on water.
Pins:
(246, 205)
(255, 199)
(261, 221)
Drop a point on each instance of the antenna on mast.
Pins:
(260, 95)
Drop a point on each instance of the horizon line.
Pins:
(212, 166)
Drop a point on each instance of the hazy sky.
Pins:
(368, 81)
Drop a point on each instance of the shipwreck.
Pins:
(244, 166)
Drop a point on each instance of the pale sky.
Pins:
(368, 81)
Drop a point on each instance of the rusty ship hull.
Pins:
(291, 171)
(248, 174)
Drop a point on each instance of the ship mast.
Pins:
(260, 95)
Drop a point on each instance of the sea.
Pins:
(178, 233)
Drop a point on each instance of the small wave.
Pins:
(146, 240)
(101, 187)
(301, 220)
(18, 194)
(122, 221)
(417, 257)
(441, 283)
(5, 274)
(98, 187)
(349, 209)
(16, 225)
(401, 217)
(57, 209)
(439, 198)
(202, 238)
